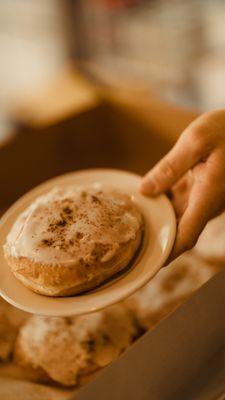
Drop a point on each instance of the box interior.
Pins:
(109, 136)
(104, 136)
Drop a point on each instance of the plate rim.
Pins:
(124, 293)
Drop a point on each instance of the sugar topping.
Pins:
(74, 224)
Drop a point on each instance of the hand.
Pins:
(193, 176)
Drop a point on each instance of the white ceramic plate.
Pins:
(160, 230)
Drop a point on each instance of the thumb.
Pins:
(183, 156)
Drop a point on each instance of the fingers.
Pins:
(184, 155)
(180, 193)
(203, 205)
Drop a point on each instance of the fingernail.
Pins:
(148, 187)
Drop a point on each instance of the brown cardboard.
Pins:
(166, 361)
(210, 382)
(103, 136)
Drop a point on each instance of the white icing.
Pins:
(93, 224)
(68, 347)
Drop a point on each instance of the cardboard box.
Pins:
(104, 136)
(164, 363)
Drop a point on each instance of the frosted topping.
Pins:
(68, 225)
(68, 347)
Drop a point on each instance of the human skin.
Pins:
(193, 176)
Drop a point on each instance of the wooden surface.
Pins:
(71, 93)
(66, 94)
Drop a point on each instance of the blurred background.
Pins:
(174, 50)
